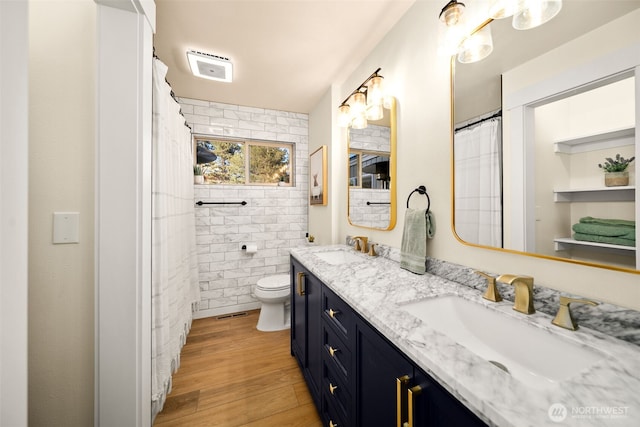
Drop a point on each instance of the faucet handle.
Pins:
(563, 317)
(360, 243)
(372, 250)
(492, 293)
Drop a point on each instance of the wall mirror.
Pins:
(535, 174)
(371, 159)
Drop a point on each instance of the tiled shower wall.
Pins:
(274, 218)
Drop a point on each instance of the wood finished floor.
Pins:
(231, 374)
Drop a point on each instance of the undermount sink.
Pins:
(530, 354)
(338, 257)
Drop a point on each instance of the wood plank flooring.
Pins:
(231, 374)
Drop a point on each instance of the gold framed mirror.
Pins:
(371, 163)
(540, 190)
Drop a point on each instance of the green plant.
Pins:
(619, 164)
(197, 170)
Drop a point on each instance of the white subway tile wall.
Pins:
(274, 218)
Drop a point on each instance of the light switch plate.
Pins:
(65, 227)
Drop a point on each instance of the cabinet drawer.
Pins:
(331, 416)
(336, 352)
(336, 389)
(338, 314)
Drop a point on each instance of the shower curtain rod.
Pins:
(173, 95)
(468, 125)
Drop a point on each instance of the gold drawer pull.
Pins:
(401, 384)
(413, 391)
(300, 278)
(333, 313)
(332, 388)
(332, 424)
(332, 351)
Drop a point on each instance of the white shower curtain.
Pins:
(478, 183)
(174, 276)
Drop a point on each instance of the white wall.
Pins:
(13, 215)
(275, 218)
(61, 171)
(420, 81)
(322, 219)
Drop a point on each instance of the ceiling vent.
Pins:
(210, 66)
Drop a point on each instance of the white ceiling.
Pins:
(285, 53)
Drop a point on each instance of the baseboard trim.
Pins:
(214, 312)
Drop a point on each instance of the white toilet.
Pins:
(273, 292)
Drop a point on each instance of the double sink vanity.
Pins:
(379, 345)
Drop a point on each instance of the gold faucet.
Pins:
(524, 291)
(360, 244)
(563, 317)
(372, 249)
(491, 293)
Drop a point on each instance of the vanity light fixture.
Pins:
(470, 37)
(499, 9)
(536, 13)
(477, 46)
(209, 66)
(451, 13)
(364, 104)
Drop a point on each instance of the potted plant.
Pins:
(198, 177)
(616, 173)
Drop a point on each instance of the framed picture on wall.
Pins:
(318, 177)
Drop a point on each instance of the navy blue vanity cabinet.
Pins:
(379, 369)
(393, 391)
(434, 406)
(306, 300)
(338, 352)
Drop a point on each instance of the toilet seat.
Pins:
(279, 282)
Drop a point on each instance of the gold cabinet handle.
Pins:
(299, 279)
(332, 388)
(332, 424)
(401, 384)
(413, 391)
(332, 351)
(332, 313)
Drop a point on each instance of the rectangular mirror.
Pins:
(372, 169)
(525, 124)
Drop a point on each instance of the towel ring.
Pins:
(421, 190)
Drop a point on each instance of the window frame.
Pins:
(246, 143)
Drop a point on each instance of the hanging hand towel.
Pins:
(413, 252)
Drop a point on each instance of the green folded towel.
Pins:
(606, 221)
(418, 224)
(604, 239)
(605, 230)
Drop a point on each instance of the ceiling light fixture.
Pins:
(363, 104)
(209, 66)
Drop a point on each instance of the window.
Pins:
(369, 169)
(230, 161)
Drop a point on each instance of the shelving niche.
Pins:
(598, 194)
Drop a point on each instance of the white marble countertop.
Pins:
(607, 394)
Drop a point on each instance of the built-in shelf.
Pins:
(611, 139)
(596, 194)
(566, 243)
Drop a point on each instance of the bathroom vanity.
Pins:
(355, 375)
(368, 361)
